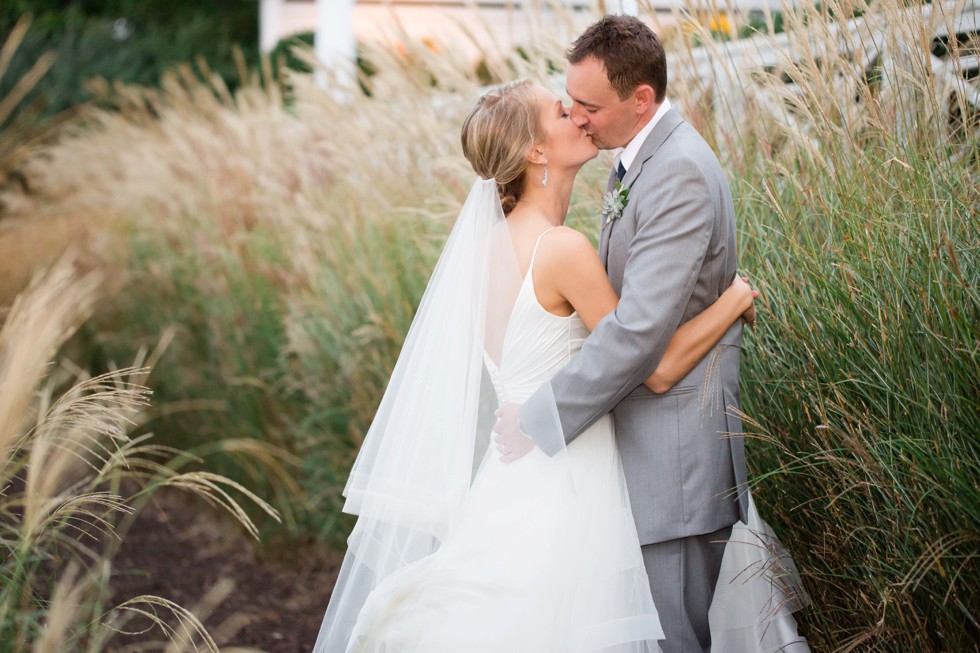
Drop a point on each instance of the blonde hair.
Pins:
(497, 135)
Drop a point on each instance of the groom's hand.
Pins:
(512, 444)
(742, 284)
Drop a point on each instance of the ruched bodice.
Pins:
(537, 343)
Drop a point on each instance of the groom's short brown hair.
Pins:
(630, 52)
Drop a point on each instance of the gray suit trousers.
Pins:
(683, 574)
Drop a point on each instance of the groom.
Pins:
(669, 255)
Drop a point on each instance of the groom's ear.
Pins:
(644, 97)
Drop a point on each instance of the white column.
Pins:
(270, 23)
(334, 39)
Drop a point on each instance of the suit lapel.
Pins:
(670, 121)
(603, 232)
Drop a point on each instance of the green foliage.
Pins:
(283, 56)
(283, 53)
(20, 133)
(861, 379)
(758, 23)
(129, 41)
(223, 376)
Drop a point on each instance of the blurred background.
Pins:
(215, 227)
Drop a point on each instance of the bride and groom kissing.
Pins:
(597, 513)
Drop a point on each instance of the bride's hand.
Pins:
(741, 287)
(512, 444)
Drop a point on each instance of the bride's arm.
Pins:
(586, 287)
(695, 338)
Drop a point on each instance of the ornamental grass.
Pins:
(74, 476)
(285, 233)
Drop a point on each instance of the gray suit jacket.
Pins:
(670, 255)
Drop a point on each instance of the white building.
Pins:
(478, 26)
(456, 23)
(439, 22)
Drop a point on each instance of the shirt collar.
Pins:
(633, 147)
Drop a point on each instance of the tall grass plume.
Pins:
(285, 233)
(71, 474)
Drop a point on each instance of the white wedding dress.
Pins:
(544, 557)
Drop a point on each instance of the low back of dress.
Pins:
(537, 343)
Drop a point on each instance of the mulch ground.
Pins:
(268, 598)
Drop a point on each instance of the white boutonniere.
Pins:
(614, 202)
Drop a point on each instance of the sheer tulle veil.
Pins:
(412, 474)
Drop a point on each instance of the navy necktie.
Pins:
(620, 171)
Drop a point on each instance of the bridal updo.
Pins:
(497, 135)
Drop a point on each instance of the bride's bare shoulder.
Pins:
(572, 277)
(567, 246)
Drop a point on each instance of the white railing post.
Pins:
(333, 42)
(270, 20)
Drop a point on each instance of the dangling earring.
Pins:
(544, 180)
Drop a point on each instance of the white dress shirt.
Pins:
(632, 148)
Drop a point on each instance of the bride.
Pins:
(453, 550)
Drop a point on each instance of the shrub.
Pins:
(131, 42)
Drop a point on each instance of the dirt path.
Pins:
(268, 599)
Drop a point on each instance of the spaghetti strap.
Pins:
(534, 252)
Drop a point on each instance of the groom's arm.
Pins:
(675, 219)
